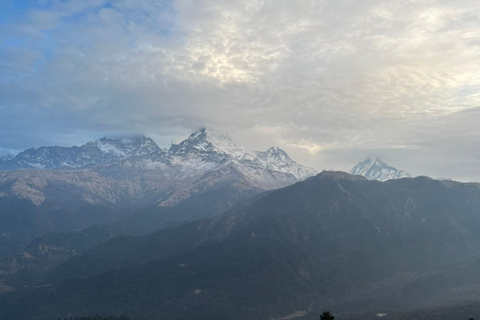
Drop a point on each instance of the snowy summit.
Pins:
(376, 169)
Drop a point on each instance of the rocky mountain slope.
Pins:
(47, 252)
(376, 169)
(333, 241)
(118, 177)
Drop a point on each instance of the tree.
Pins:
(327, 315)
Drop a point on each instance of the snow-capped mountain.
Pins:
(208, 150)
(108, 179)
(213, 157)
(205, 142)
(217, 147)
(102, 151)
(202, 151)
(375, 169)
(206, 159)
(278, 160)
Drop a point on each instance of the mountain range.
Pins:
(65, 189)
(102, 151)
(202, 147)
(210, 230)
(334, 241)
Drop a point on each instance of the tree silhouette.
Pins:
(327, 315)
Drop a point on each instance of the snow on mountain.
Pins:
(126, 147)
(102, 151)
(206, 159)
(278, 160)
(211, 146)
(375, 169)
(209, 159)
(110, 178)
(218, 149)
(203, 151)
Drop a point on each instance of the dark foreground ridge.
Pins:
(332, 242)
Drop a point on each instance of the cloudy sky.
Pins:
(329, 81)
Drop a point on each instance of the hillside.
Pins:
(333, 241)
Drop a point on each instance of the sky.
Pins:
(331, 82)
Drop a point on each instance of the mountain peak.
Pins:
(276, 150)
(376, 169)
(275, 155)
(278, 160)
(207, 141)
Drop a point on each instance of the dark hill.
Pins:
(334, 241)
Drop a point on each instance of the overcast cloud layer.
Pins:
(331, 82)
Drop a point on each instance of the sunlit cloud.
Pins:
(311, 147)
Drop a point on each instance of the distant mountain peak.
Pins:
(277, 159)
(274, 157)
(276, 150)
(207, 142)
(208, 134)
(376, 169)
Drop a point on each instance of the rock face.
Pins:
(109, 179)
(376, 169)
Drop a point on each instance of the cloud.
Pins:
(330, 81)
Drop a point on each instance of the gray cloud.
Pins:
(330, 81)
